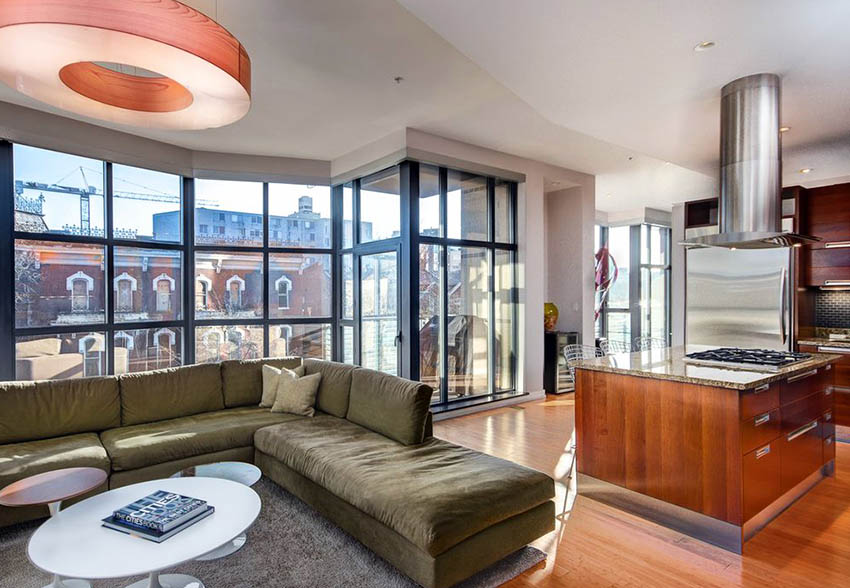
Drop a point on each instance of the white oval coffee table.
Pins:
(74, 544)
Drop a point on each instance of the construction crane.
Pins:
(88, 191)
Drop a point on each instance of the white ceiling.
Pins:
(610, 88)
(625, 72)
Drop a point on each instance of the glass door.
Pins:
(379, 308)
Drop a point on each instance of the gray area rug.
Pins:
(290, 545)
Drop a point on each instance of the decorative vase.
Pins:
(550, 316)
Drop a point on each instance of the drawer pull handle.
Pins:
(762, 419)
(827, 416)
(828, 441)
(828, 367)
(828, 391)
(836, 282)
(761, 388)
(828, 349)
(802, 376)
(836, 244)
(802, 430)
(762, 452)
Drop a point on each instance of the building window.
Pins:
(202, 292)
(125, 285)
(79, 285)
(283, 285)
(235, 286)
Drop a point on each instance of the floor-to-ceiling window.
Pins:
(410, 270)
(637, 304)
(426, 262)
(98, 288)
(466, 256)
(370, 268)
(262, 275)
(120, 269)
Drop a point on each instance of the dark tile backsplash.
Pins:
(832, 309)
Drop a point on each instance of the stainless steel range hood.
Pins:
(750, 214)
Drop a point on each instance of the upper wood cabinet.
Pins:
(826, 214)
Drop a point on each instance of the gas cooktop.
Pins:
(767, 360)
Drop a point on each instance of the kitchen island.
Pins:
(713, 452)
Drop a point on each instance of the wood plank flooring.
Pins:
(596, 545)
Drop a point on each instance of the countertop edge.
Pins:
(820, 360)
(816, 341)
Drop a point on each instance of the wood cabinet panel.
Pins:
(819, 276)
(673, 441)
(762, 478)
(760, 400)
(801, 454)
(760, 430)
(841, 407)
(827, 213)
(829, 449)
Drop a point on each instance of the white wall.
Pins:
(570, 216)
(49, 131)
(677, 279)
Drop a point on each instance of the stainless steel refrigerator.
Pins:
(739, 298)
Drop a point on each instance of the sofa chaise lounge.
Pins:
(367, 460)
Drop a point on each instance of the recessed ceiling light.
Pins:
(806, 170)
(607, 195)
(704, 46)
(784, 129)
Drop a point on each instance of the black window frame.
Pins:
(408, 242)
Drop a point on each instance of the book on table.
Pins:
(158, 515)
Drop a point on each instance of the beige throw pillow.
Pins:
(271, 375)
(297, 395)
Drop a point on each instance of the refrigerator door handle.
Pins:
(783, 304)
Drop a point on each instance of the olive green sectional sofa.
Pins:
(367, 460)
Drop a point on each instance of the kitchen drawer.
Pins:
(841, 367)
(802, 454)
(827, 276)
(805, 383)
(829, 449)
(760, 400)
(797, 414)
(760, 430)
(762, 478)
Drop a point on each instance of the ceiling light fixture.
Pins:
(704, 46)
(140, 63)
(784, 129)
(806, 170)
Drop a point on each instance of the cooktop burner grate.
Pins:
(766, 358)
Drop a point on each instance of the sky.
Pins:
(50, 167)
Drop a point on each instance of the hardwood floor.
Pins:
(596, 545)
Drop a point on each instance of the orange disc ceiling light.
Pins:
(145, 63)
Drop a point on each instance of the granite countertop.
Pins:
(826, 342)
(668, 364)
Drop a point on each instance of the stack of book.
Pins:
(158, 516)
